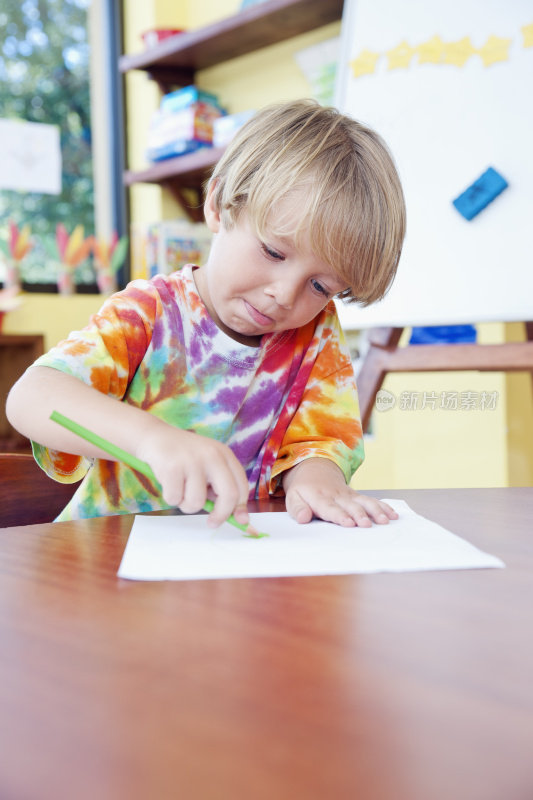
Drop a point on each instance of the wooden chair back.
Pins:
(28, 495)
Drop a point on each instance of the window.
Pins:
(53, 71)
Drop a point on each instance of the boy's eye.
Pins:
(319, 288)
(268, 251)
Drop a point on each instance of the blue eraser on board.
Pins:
(480, 194)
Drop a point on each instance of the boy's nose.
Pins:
(284, 293)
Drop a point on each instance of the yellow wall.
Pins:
(51, 314)
(427, 446)
(519, 394)
(146, 202)
(271, 75)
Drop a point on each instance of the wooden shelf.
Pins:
(174, 61)
(189, 171)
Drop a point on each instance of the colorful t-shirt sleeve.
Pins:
(104, 355)
(326, 423)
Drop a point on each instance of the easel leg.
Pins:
(529, 336)
(382, 341)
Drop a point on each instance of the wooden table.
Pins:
(415, 686)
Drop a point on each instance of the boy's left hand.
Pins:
(316, 488)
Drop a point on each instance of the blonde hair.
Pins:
(352, 204)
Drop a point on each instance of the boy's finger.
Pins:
(389, 511)
(298, 508)
(228, 499)
(241, 514)
(174, 491)
(241, 480)
(194, 495)
(380, 512)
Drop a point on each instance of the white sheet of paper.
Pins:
(32, 156)
(184, 548)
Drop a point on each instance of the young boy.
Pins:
(233, 380)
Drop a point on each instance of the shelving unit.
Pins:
(174, 62)
(183, 172)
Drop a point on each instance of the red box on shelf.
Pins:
(156, 35)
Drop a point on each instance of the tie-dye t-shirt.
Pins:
(154, 345)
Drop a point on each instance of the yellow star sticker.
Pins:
(459, 52)
(400, 56)
(527, 30)
(365, 63)
(431, 52)
(495, 49)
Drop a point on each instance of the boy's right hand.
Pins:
(189, 467)
(192, 468)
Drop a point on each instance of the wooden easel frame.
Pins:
(385, 356)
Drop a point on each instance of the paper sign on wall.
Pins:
(31, 156)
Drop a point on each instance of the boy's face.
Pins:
(252, 287)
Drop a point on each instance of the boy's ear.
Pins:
(211, 212)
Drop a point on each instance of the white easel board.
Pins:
(449, 86)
